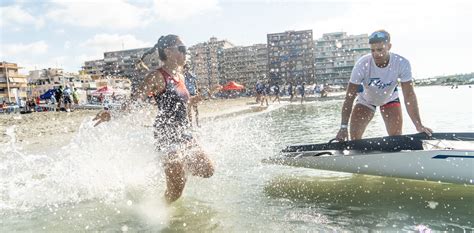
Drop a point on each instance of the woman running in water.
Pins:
(181, 153)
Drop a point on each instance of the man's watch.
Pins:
(344, 126)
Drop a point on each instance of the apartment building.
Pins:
(13, 86)
(94, 68)
(291, 57)
(245, 64)
(206, 61)
(336, 54)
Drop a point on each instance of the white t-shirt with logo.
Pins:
(380, 83)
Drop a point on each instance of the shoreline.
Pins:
(40, 131)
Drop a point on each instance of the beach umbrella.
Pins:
(109, 91)
(233, 86)
(104, 91)
(47, 94)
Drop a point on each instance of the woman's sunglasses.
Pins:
(182, 49)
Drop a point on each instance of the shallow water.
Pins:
(109, 178)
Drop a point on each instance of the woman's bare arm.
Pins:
(152, 83)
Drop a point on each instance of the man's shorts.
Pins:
(67, 100)
(393, 103)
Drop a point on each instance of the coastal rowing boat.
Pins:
(403, 156)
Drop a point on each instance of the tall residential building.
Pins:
(43, 80)
(123, 64)
(291, 57)
(335, 56)
(94, 68)
(206, 60)
(13, 86)
(52, 77)
(245, 64)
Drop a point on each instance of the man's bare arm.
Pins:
(347, 110)
(411, 103)
(152, 83)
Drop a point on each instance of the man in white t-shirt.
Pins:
(374, 80)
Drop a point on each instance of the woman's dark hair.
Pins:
(165, 42)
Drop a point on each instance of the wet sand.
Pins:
(42, 130)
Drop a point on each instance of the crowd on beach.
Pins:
(54, 100)
(265, 91)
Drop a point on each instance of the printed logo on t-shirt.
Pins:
(375, 82)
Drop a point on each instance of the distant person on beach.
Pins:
(52, 102)
(192, 86)
(317, 89)
(276, 91)
(101, 98)
(324, 90)
(290, 92)
(58, 94)
(302, 91)
(265, 94)
(75, 97)
(259, 89)
(181, 152)
(374, 80)
(67, 94)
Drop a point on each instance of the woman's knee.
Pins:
(200, 165)
(208, 171)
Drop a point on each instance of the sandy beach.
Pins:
(41, 130)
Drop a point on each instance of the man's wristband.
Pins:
(344, 126)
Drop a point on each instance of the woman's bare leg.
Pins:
(199, 164)
(175, 180)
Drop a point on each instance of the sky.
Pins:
(436, 36)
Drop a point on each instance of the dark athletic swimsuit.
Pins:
(171, 123)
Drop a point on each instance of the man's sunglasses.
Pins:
(378, 37)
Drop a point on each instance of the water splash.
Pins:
(98, 163)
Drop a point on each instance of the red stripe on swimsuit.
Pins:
(178, 84)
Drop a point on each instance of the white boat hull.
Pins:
(452, 166)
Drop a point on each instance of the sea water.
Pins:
(109, 178)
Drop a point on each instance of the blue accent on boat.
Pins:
(453, 156)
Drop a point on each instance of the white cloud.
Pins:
(171, 10)
(12, 16)
(101, 43)
(86, 57)
(113, 14)
(58, 61)
(67, 44)
(68, 63)
(60, 31)
(29, 64)
(11, 50)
